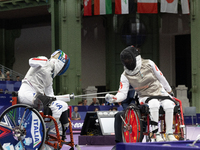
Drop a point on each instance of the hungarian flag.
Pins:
(102, 7)
(87, 7)
(185, 6)
(121, 6)
(169, 6)
(147, 6)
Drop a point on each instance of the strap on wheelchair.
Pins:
(46, 100)
(155, 124)
(155, 131)
(14, 93)
(160, 98)
(43, 102)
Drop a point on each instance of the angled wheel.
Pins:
(132, 125)
(22, 127)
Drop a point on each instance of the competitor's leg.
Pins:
(168, 107)
(59, 109)
(64, 119)
(154, 106)
(118, 127)
(26, 94)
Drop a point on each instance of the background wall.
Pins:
(171, 25)
(36, 41)
(93, 52)
(33, 42)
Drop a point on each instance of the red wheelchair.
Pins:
(25, 128)
(136, 123)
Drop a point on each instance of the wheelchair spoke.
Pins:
(22, 143)
(129, 117)
(137, 124)
(13, 120)
(130, 129)
(123, 120)
(22, 118)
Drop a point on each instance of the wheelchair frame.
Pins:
(56, 139)
(135, 133)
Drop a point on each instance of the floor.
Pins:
(86, 147)
(191, 133)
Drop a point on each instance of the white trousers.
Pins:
(154, 106)
(26, 95)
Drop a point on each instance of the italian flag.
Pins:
(121, 6)
(147, 6)
(102, 7)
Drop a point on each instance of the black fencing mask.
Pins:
(128, 57)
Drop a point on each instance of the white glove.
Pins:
(109, 98)
(72, 96)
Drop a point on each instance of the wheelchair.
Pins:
(24, 127)
(136, 123)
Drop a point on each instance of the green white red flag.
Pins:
(102, 7)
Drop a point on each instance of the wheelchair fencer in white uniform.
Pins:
(148, 81)
(38, 82)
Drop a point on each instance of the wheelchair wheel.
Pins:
(132, 125)
(22, 127)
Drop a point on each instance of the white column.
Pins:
(90, 90)
(181, 93)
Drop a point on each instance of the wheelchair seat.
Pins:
(38, 104)
(144, 109)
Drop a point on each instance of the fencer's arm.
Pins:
(123, 89)
(49, 91)
(39, 61)
(65, 98)
(160, 77)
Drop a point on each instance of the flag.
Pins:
(87, 7)
(185, 6)
(102, 7)
(169, 6)
(121, 6)
(147, 6)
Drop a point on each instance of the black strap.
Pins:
(155, 131)
(160, 98)
(153, 123)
